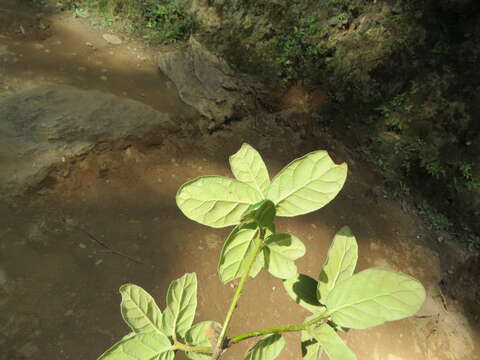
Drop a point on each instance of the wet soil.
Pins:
(110, 217)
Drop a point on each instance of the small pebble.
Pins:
(82, 246)
(103, 78)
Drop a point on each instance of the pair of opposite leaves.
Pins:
(366, 299)
(305, 185)
(151, 328)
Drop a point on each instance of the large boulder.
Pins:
(208, 84)
(45, 126)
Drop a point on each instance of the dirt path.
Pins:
(58, 287)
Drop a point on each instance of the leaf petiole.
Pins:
(180, 346)
(281, 329)
(258, 247)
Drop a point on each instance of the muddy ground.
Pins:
(58, 283)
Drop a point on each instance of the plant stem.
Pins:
(281, 329)
(258, 246)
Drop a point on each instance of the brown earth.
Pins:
(58, 284)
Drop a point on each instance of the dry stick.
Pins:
(109, 249)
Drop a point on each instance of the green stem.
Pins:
(281, 329)
(258, 246)
(203, 349)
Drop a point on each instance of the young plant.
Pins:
(338, 300)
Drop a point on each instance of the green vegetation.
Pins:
(403, 77)
(158, 21)
(250, 202)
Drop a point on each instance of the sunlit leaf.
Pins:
(307, 184)
(216, 201)
(266, 349)
(144, 346)
(340, 264)
(203, 334)
(236, 249)
(169, 355)
(139, 309)
(283, 250)
(331, 343)
(373, 297)
(303, 290)
(248, 166)
(181, 305)
(311, 348)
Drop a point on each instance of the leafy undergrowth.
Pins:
(155, 21)
(402, 78)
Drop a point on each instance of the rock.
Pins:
(39, 127)
(112, 39)
(5, 52)
(3, 277)
(208, 84)
(28, 350)
(103, 78)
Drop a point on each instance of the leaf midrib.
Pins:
(146, 316)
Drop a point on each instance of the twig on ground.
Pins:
(107, 248)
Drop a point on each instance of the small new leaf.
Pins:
(307, 184)
(144, 346)
(282, 251)
(181, 305)
(340, 264)
(261, 213)
(303, 290)
(248, 166)
(139, 309)
(216, 201)
(266, 349)
(374, 296)
(331, 343)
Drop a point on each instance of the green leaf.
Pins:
(262, 213)
(144, 346)
(373, 297)
(311, 349)
(266, 349)
(236, 249)
(216, 201)
(341, 261)
(283, 250)
(169, 355)
(181, 305)
(307, 184)
(248, 166)
(331, 343)
(202, 334)
(139, 309)
(258, 264)
(303, 290)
